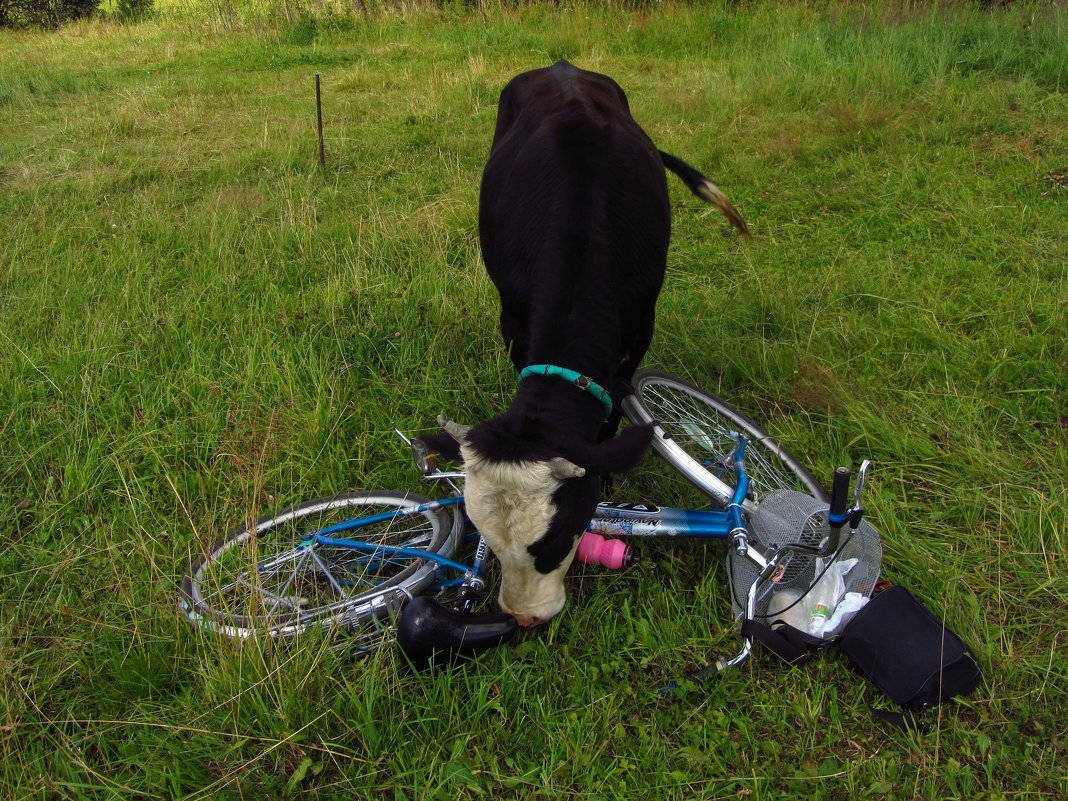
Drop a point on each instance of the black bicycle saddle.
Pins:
(429, 632)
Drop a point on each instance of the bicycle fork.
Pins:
(837, 516)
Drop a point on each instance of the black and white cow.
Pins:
(574, 225)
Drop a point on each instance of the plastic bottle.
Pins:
(824, 595)
(819, 619)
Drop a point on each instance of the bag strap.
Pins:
(791, 645)
(786, 642)
(906, 720)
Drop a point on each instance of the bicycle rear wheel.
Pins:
(272, 579)
(693, 434)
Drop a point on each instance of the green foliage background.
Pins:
(44, 13)
(198, 324)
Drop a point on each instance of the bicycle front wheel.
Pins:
(693, 434)
(274, 579)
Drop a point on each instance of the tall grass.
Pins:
(199, 324)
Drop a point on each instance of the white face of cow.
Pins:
(511, 504)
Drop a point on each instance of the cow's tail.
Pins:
(705, 189)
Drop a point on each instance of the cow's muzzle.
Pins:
(529, 621)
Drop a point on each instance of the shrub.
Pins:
(43, 13)
(132, 10)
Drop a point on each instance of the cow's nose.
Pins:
(528, 621)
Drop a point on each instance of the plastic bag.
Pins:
(824, 610)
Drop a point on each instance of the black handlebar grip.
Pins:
(840, 493)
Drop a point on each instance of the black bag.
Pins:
(792, 645)
(908, 653)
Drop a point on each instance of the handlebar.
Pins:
(838, 515)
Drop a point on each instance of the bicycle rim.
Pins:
(694, 434)
(271, 579)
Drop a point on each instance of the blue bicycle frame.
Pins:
(384, 552)
(610, 519)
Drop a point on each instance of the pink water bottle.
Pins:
(614, 554)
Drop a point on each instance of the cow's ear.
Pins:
(442, 444)
(621, 453)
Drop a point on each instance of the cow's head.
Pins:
(532, 506)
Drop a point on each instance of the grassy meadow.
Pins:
(199, 324)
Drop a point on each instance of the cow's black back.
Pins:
(574, 223)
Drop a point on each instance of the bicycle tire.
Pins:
(693, 434)
(266, 580)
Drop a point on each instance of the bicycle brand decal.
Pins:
(630, 507)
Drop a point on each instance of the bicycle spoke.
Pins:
(699, 439)
(276, 598)
(693, 423)
(329, 576)
(278, 560)
(305, 552)
(279, 579)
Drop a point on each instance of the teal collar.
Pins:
(572, 377)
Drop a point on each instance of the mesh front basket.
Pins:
(789, 517)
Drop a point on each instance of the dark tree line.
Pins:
(54, 13)
(43, 13)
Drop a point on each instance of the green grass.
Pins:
(198, 324)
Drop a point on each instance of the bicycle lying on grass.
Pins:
(355, 561)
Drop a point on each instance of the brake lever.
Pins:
(857, 512)
(424, 460)
(421, 454)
